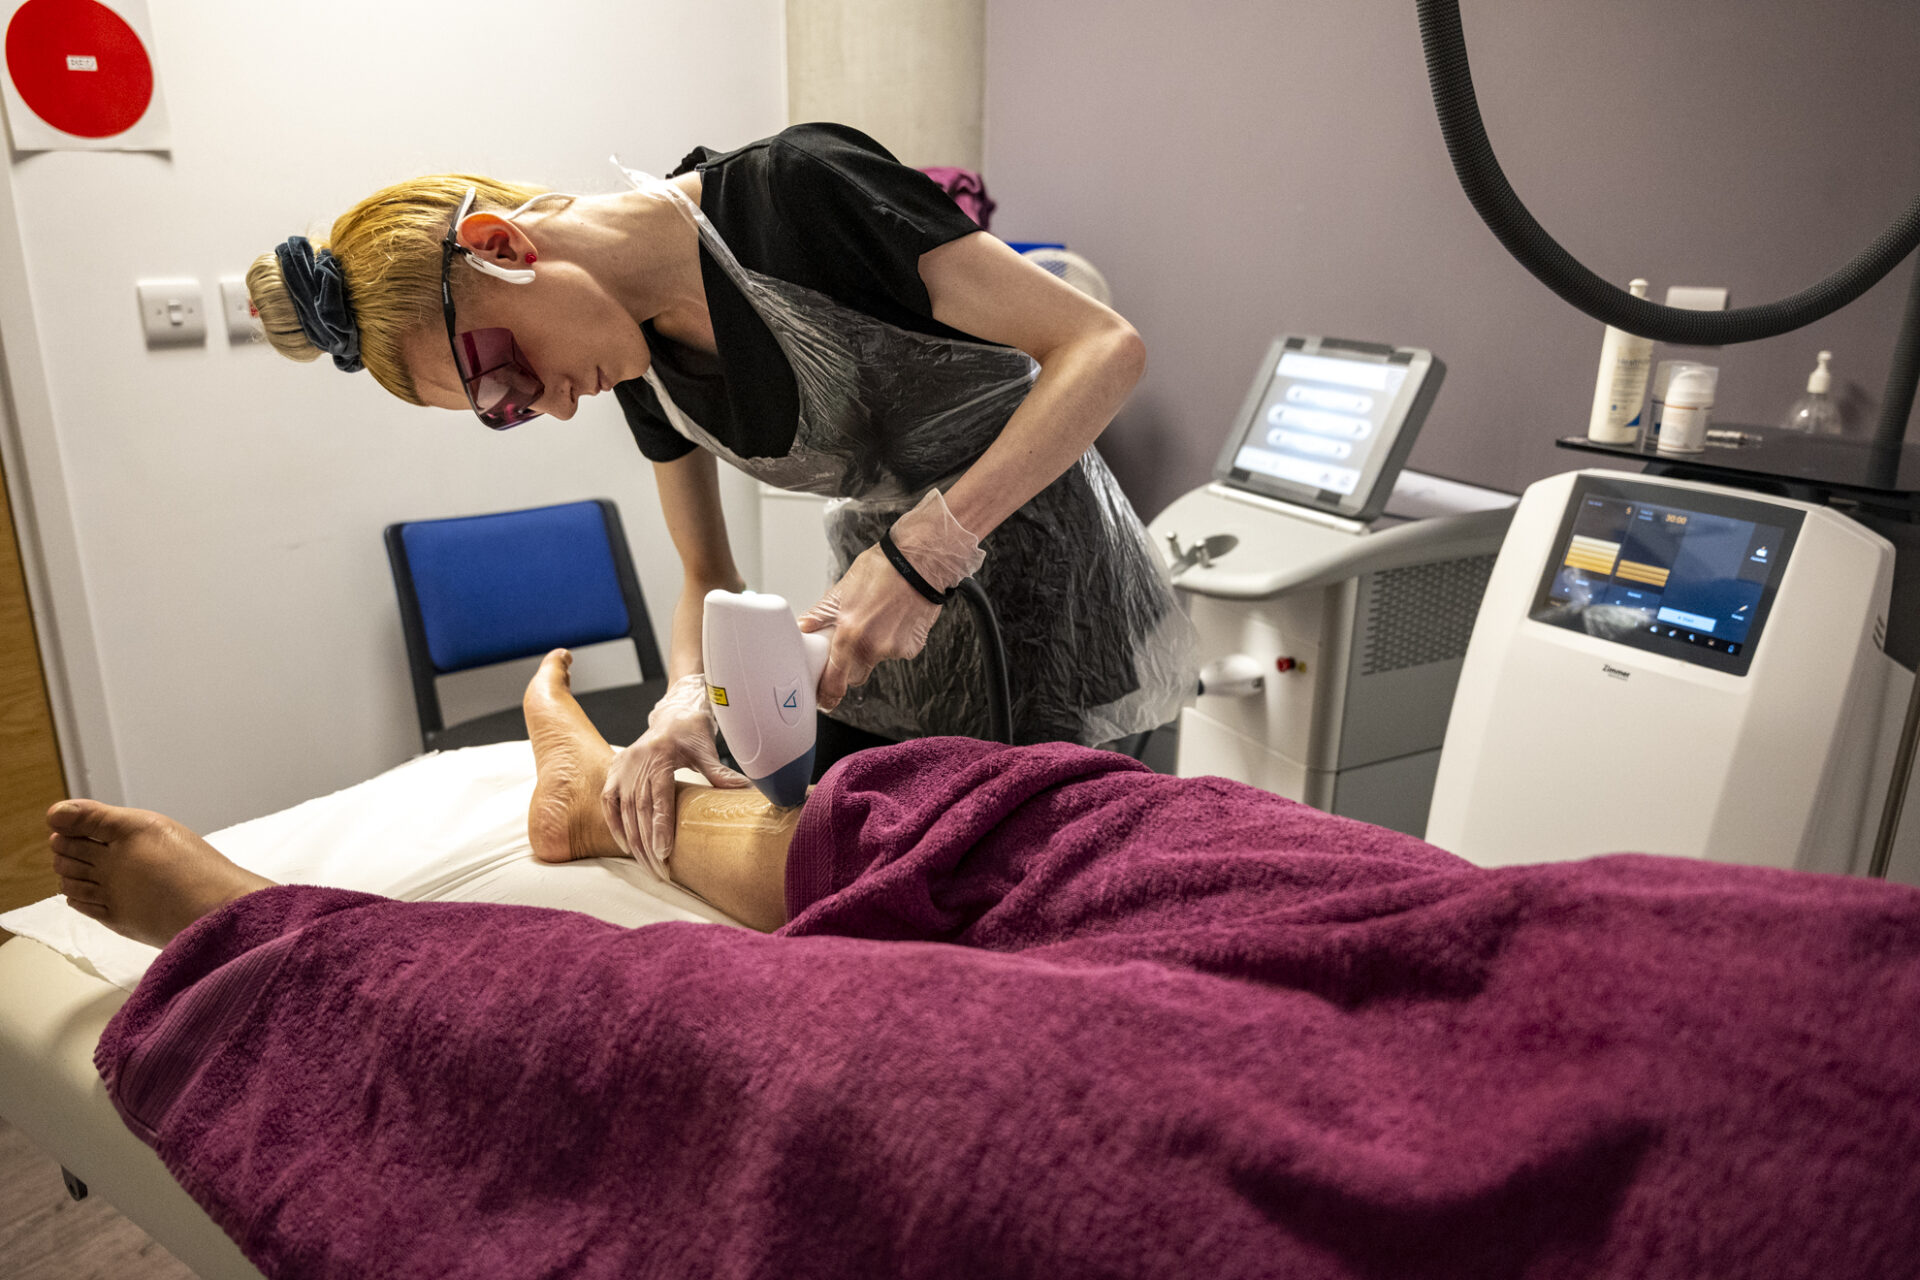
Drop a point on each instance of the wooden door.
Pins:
(30, 774)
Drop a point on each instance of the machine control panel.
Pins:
(1685, 573)
(1328, 423)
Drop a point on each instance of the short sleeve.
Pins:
(863, 217)
(658, 441)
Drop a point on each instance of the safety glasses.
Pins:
(500, 384)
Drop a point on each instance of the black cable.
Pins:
(994, 654)
(1501, 209)
(1896, 405)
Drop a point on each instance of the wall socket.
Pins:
(172, 312)
(237, 304)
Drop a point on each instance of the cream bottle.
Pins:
(1683, 429)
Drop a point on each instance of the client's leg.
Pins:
(730, 847)
(144, 875)
(141, 874)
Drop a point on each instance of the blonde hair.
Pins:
(388, 247)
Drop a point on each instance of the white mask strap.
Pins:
(512, 275)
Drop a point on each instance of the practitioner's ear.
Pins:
(498, 240)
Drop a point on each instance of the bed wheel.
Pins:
(75, 1188)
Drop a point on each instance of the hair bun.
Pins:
(318, 289)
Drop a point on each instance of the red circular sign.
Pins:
(79, 66)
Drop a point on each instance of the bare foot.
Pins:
(141, 874)
(570, 758)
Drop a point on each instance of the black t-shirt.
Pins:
(819, 205)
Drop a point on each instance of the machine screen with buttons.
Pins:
(1328, 423)
(1671, 571)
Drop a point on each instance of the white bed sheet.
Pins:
(450, 826)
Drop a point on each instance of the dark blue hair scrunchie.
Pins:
(319, 292)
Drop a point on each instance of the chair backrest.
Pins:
(476, 590)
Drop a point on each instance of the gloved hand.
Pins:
(877, 614)
(638, 798)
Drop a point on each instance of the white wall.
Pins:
(910, 73)
(223, 506)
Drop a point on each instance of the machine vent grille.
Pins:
(1423, 613)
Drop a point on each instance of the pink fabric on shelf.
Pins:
(968, 189)
(1042, 1013)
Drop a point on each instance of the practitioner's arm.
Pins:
(730, 847)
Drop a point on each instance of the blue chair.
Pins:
(479, 590)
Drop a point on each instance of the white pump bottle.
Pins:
(1815, 412)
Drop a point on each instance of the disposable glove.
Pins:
(638, 797)
(936, 545)
(876, 613)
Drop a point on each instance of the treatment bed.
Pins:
(450, 827)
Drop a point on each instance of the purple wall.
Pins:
(1241, 168)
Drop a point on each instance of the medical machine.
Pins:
(762, 672)
(1663, 666)
(1709, 714)
(1330, 637)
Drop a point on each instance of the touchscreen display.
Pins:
(1670, 571)
(1320, 420)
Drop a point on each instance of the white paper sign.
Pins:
(79, 75)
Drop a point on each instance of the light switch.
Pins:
(172, 312)
(242, 324)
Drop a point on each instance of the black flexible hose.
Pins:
(1494, 198)
(994, 653)
(1896, 404)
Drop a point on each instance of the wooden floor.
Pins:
(45, 1235)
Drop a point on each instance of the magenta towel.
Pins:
(1042, 1013)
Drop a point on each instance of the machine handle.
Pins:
(1235, 676)
(816, 645)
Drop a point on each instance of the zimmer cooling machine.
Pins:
(1333, 593)
(1667, 666)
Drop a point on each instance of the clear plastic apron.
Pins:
(1097, 647)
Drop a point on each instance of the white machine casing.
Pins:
(761, 676)
(1564, 745)
(1375, 619)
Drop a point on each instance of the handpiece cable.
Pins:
(993, 654)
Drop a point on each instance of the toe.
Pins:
(70, 868)
(79, 848)
(84, 891)
(548, 683)
(86, 820)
